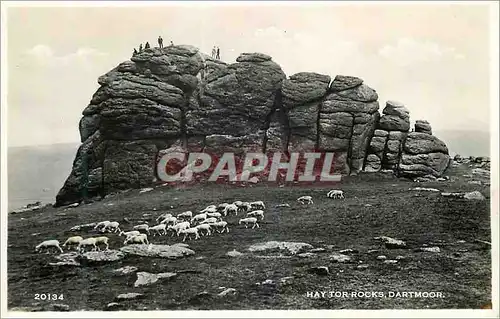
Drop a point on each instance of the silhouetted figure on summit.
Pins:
(147, 45)
(171, 43)
(160, 41)
(135, 52)
(140, 47)
(218, 54)
(214, 52)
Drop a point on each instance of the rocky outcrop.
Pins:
(347, 120)
(178, 99)
(423, 154)
(422, 126)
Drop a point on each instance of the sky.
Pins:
(432, 58)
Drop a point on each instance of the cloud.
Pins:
(46, 56)
(409, 51)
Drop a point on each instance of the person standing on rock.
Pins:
(218, 53)
(140, 47)
(147, 45)
(214, 52)
(160, 41)
(135, 52)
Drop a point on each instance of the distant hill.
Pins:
(36, 173)
(466, 143)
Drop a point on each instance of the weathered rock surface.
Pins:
(129, 296)
(160, 251)
(177, 97)
(291, 247)
(422, 126)
(146, 278)
(423, 154)
(391, 243)
(104, 256)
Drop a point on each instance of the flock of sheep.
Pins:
(207, 222)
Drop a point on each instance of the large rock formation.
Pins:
(180, 99)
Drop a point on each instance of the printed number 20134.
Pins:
(49, 297)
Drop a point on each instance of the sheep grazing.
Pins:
(85, 243)
(158, 229)
(130, 233)
(209, 209)
(256, 213)
(205, 228)
(169, 220)
(220, 227)
(53, 243)
(112, 227)
(72, 241)
(305, 200)
(101, 240)
(198, 218)
(335, 193)
(163, 216)
(101, 225)
(178, 227)
(190, 231)
(209, 220)
(258, 205)
(238, 203)
(220, 207)
(249, 221)
(231, 208)
(244, 207)
(185, 215)
(137, 239)
(143, 227)
(214, 215)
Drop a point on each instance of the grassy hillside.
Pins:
(375, 205)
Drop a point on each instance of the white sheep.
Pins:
(335, 193)
(144, 227)
(185, 215)
(214, 215)
(218, 226)
(169, 220)
(231, 208)
(199, 218)
(112, 227)
(256, 213)
(53, 243)
(137, 239)
(258, 205)
(101, 240)
(71, 241)
(305, 199)
(102, 224)
(209, 208)
(158, 229)
(190, 231)
(204, 227)
(209, 220)
(163, 216)
(249, 220)
(178, 227)
(129, 233)
(238, 203)
(220, 207)
(244, 207)
(85, 243)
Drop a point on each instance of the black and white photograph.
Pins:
(249, 159)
